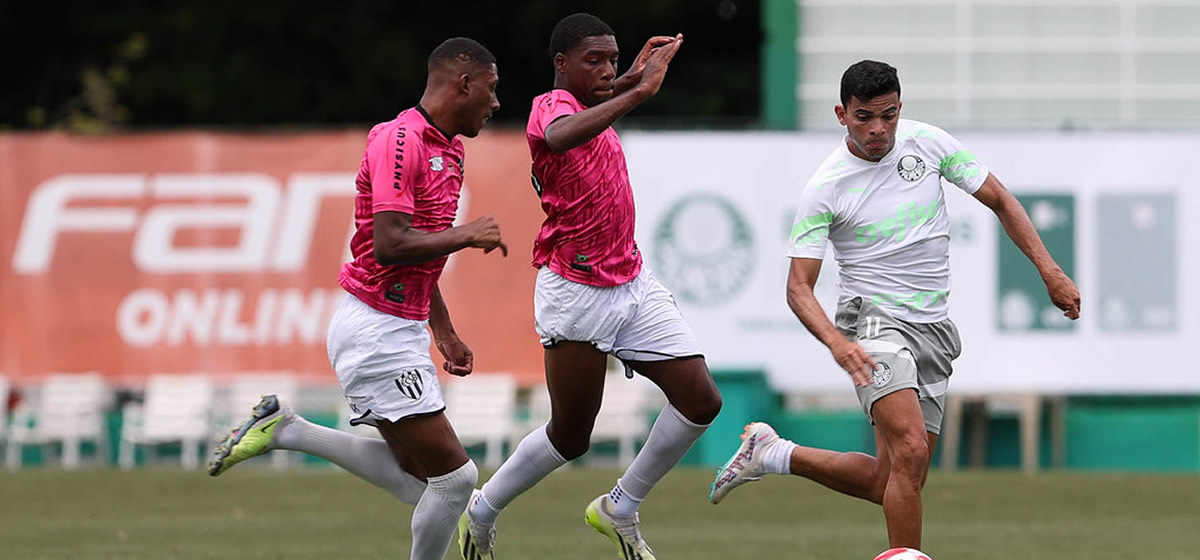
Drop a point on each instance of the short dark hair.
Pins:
(461, 50)
(573, 29)
(867, 80)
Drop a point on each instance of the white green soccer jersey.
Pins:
(887, 220)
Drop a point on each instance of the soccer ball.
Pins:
(903, 554)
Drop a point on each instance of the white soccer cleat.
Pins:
(475, 539)
(747, 464)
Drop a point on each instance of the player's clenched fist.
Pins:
(485, 234)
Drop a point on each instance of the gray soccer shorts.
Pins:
(907, 356)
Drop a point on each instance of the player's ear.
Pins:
(840, 111)
(463, 84)
(560, 63)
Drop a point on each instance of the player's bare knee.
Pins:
(910, 456)
(708, 409)
(701, 408)
(571, 444)
(573, 449)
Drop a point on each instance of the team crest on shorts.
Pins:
(410, 384)
(881, 374)
(911, 168)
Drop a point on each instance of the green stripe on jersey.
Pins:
(956, 158)
(812, 222)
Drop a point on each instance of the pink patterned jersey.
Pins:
(412, 167)
(588, 233)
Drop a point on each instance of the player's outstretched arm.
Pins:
(802, 276)
(397, 242)
(459, 359)
(575, 130)
(1020, 229)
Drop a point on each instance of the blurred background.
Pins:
(176, 183)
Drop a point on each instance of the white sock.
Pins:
(367, 458)
(533, 459)
(669, 439)
(436, 517)
(623, 503)
(777, 458)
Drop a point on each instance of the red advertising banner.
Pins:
(218, 253)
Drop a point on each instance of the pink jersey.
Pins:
(411, 167)
(588, 233)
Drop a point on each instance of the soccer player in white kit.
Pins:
(878, 199)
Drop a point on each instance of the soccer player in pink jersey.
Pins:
(593, 296)
(408, 191)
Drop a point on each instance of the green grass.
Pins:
(324, 513)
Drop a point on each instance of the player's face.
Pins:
(591, 69)
(481, 100)
(871, 124)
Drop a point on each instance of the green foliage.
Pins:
(96, 66)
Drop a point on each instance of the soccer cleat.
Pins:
(475, 539)
(622, 531)
(252, 438)
(745, 465)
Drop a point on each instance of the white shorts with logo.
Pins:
(383, 364)
(637, 320)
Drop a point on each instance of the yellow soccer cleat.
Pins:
(475, 539)
(252, 438)
(622, 531)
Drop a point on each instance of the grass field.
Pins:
(324, 513)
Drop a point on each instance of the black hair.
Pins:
(573, 29)
(867, 80)
(461, 50)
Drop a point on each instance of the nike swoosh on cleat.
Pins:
(269, 425)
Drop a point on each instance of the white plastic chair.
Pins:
(538, 409)
(177, 408)
(482, 408)
(245, 392)
(68, 409)
(622, 416)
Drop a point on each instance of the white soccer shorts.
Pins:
(383, 364)
(636, 321)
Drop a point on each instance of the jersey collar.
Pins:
(428, 119)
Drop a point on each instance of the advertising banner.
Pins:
(715, 211)
(214, 253)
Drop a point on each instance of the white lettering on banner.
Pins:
(47, 216)
(301, 209)
(153, 245)
(213, 317)
(142, 317)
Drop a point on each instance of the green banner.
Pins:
(1022, 303)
